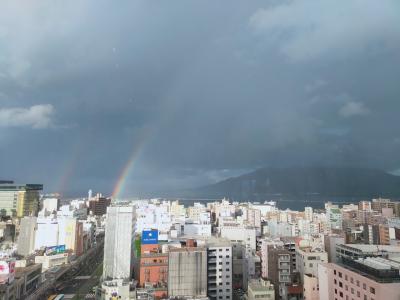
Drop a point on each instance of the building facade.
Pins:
(118, 243)
(219, 267)
(187, 272)
(19, 200)
(259, 289)
(366, 279)
(27, 235)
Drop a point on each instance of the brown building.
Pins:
(98, 205)
(280, 269)
(152, 269)
(378, 204)
(154, 273)
(377, 234)
(364, 205)
(383, 232)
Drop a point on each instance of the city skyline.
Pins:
(191, 93)
(199, 150)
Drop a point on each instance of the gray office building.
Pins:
(187, 272)
(27, 234)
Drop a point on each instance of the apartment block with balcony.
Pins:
(219, 269)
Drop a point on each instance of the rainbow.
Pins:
(133, 158)
(69, 167)
(119, 186)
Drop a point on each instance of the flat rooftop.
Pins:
(380, 263)
(376, 268)
(362, 248)
(20, 187)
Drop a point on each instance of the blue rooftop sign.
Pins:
(149, 237)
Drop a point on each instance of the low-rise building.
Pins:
(259, 289)
(118, 289)
(50, 261)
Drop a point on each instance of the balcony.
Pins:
(212, 254)
(284, 265)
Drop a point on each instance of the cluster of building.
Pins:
(222, 250)
(41, 236)
(156, 249)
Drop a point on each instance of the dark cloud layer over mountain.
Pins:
(206, 89)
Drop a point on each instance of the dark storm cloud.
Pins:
(208, 89)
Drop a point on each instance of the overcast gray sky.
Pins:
(198, 90)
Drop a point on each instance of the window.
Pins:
(364, 286)
(340, 274)
(372, 290)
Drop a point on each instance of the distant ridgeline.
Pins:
(304, 183)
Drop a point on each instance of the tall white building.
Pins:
(119, 241)
(307, 261)
(50, 205)
(197, 211)
(153, 215)
(252, 217)
(47, 233)
(247, 235)
(333, 216)
(308, 213)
